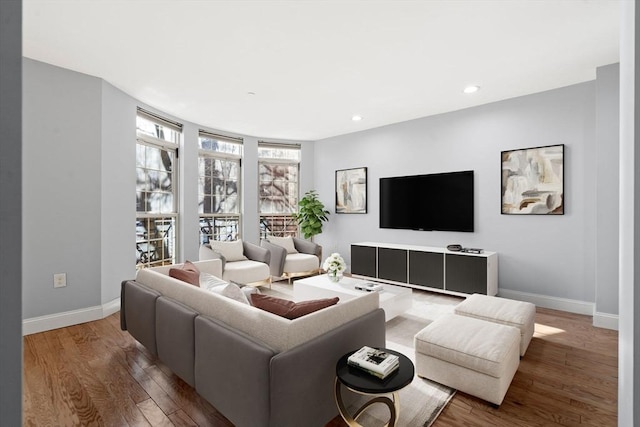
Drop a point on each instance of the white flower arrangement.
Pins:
(334, 264)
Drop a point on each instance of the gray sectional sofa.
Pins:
(254, 367)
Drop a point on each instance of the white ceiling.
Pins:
(314, 64)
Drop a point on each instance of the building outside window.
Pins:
(157, 145)
(219, 163)
(278, 180)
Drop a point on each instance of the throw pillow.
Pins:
(208, 281)
(232, 251)
(285, 242)
(248, 291)
(187, 273)
(232, 291)
(289, 309)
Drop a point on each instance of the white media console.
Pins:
(434, 269)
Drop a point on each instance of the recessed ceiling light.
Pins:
(471, 89)
(251, 93)
(356, 118)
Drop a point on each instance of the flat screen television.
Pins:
(442, 202)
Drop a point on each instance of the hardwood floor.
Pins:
(96, 374)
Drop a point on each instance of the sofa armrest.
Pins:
(256, 253)
(206, 253)
(307, 247)
(293, 402)
(211, 266)
(278, 257)
(138, 306)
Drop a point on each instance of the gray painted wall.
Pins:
(607, 184)
(117, 228)
(61, 189)
(10, 212)
(545, 255)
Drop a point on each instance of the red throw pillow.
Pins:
(188, 273)
(289, 309)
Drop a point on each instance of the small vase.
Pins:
(334, 276)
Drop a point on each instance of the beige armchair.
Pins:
(293, 257)
(242, 262)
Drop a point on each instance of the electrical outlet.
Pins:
(60, 280)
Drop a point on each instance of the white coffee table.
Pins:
(394, 300)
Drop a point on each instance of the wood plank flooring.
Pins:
(96, 374)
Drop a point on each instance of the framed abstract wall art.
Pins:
(533, 181)
(351, 191)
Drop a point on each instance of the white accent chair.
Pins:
(243, 263)
(293, 257)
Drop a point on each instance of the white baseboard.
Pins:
(69, 318)
(554, 303)
(111, 307)
(600, 320)
(605, 320)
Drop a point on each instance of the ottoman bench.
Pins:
(471, 355)
(504, 311)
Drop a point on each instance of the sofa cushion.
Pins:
(472, 343)
(188, 272)
(285, 242)
(247, 271)
(248, 291)
(298, 263)
(289, 309)
(208, 280)
(518, 314)
(232, 251)
(231, 290)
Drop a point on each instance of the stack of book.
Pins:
(375, 362)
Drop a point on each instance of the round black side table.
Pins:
(364, 383)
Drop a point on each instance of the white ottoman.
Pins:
(474, 356)
(504, 311)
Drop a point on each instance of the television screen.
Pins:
(442, 202)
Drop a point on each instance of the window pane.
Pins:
(154, 179)
(219, 146)
(292, 153)
(278, 188)
(155, 239)
(278, 226)
(218, 192)
(145, 126)
(140, 155)
(158, 159)
(221, 227)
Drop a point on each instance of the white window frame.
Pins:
(145, 244)
(221, 218)
(282, 224)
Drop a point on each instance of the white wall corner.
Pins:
(49, 322)
(605, 320)
(554, 303)
(111, 307)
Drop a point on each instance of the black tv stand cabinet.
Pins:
(423, 267)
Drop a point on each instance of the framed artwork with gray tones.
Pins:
(533, 181)
(351, 191)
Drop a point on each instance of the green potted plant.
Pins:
(311, 214)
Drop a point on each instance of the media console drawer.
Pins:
(431, 268)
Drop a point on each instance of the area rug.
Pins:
(420, 404)
(421, 401)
